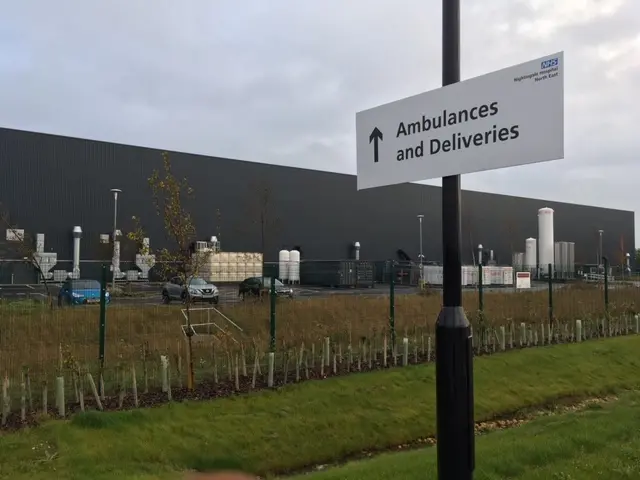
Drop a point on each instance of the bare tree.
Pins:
(23, 246)
(260, 210)
(467, 227)
(510, 231)
(623, 254)
(179, 260)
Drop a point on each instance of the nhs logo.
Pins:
(553, 62)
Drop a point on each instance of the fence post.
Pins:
(550, 272)
(480, 289)
(605, 261)
(392, 306)
(272, 316)
(103, 322)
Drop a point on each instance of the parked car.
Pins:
(80, 292)
(199, 290)
(258, 286)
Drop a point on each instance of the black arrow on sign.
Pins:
(375, 136)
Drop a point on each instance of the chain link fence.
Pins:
(344, 312)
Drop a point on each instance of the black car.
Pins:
(259, 286)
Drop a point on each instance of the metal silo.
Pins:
(571, 259)
(518, 260)
(294, 266)
(530, 254)
(283, 264)
(546, 246)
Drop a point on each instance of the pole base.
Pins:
(454, 384)
(452, 317)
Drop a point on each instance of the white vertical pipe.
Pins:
(77, 235)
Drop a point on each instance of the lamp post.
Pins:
(421, 256)
(114, 258)
(601, 253)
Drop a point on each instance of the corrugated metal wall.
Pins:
(51, 183)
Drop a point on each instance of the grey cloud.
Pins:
(280, 81)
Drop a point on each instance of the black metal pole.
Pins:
(272, 314)
(275, 274)
(480, 289)
(454, 360)
(550, 280)
(103, 324)
(605, 263)
(392, 306)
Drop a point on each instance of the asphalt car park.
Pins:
(229, 293)
(150, 293)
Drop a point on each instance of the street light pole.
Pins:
(600, 232)
(114, 259)
(420, 217)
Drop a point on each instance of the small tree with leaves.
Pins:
(169, 194)
(23, 246)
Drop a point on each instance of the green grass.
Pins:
(600, 442)
(313, 422)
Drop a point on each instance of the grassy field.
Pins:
(33, 336)
(601, 441)
(310, 423)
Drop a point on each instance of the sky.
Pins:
(280, 81)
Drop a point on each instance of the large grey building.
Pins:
(50, 183)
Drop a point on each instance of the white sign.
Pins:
(523, 280)
(15, 235)
(514, 116)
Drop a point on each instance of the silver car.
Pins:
(199, 290)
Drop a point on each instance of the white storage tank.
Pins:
(283, 264)
(564, 251)
(546, 244)
(530, 254)
(558, 258)
(571, 266)
(564, 259)
(518, 260)
(294, 266)
(77, 235)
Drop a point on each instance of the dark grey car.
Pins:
(257, 286)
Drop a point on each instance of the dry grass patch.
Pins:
(31, 335)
